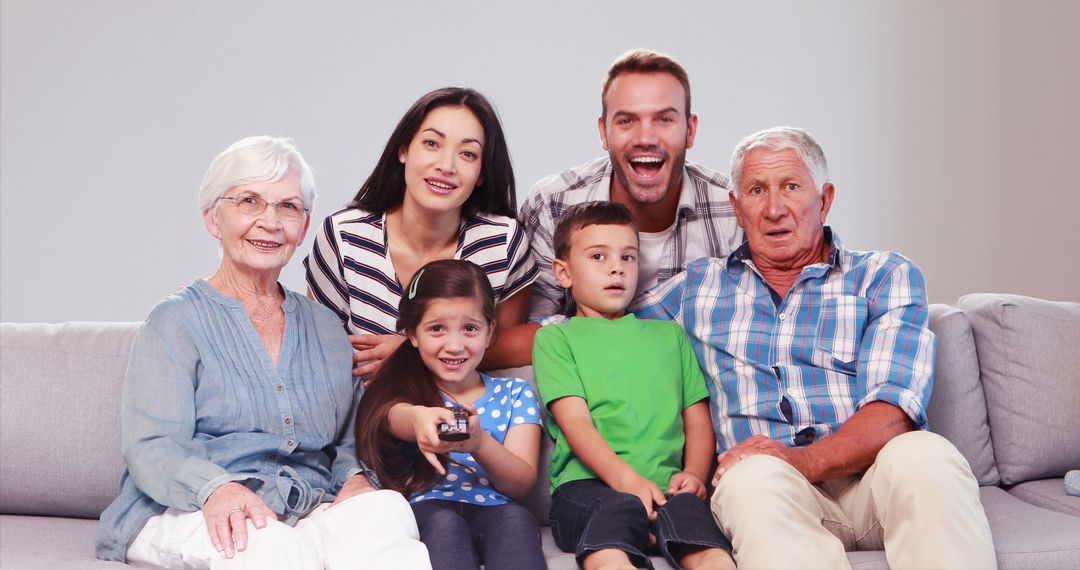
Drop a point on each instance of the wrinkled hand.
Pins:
(371, 350)
(683, 482)
(356, 485)
(758, 445)
(226, 512)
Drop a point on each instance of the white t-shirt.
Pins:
(651, 246)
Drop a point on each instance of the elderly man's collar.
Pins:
(742, 254)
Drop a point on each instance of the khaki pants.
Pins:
(372, 530)
(919, 502)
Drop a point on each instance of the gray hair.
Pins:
(255, 159)
(777, 139)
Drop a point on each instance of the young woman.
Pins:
(462, 490)
(442, 189)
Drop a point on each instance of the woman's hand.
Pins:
(356, 485)
(226, 512)
(371, 350)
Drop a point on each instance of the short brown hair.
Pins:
(645, 61)
(599, 213)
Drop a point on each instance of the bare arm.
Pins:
(697, 451)
(575, 422)
(512, 465)
(514, 344)
(850, 450)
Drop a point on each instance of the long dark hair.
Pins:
(402, 377)
(385, 187)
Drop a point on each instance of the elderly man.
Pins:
(821, 366)
(645, 126)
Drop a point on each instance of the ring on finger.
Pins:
(233, 510)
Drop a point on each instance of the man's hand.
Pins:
(761, 445)
(683, 482)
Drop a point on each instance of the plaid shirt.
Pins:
(850, 332)
(705, 225)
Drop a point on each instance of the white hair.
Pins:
(777, 139)
(255, 159)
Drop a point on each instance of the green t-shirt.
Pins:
(636, 376)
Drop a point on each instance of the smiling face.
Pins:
(646, 132)
(443, 160)
(601, 268)
(781, 210)
(264, 243)
(451, 338)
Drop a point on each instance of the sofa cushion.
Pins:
(1030, 365)
(1026, 536)
(60, 438)
(1048, 494)
(49, 543)
(957, 407)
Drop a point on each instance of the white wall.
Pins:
(951, 127)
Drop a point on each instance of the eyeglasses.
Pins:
(252, 205)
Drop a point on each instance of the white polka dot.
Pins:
(480, 498)
(531, 410)
(516, 391)
(528, 394)
(519, 420)
(517, 403)
(503, 401)
(492, 495)
(466, 486)
(497, 389)
(484, 481)
(502, 427)
(451, 477)
(448, 493)
(495, 413)
(479, 411)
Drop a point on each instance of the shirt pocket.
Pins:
(840, 330)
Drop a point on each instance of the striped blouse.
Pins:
(350, 271)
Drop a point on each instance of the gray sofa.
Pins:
(1007, 394)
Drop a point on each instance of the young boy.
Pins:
(633, 438)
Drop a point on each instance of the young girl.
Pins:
(462, 492)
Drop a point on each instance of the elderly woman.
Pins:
(238, 404)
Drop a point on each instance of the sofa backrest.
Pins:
(60, 387)
(957, 407)
(1029, 360)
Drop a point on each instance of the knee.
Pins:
(517, 518)
(921, 456)
(279, 540)
(442, 522)
(755, 479)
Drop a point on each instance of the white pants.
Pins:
(918, 501)
(373, 530)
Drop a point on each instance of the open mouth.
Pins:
(439, 186)
(778, 233)
(266, 246)
(646, 166)
(453, 363)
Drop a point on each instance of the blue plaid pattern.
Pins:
(851, 331)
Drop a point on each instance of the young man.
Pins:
(629, 411)
(681, 208)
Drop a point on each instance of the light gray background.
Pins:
(951, 127)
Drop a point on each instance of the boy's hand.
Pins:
(683, 482)
(647, 491)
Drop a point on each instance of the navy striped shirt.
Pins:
(350, 271)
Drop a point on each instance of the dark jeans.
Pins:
(587, 516)
(462, 535)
